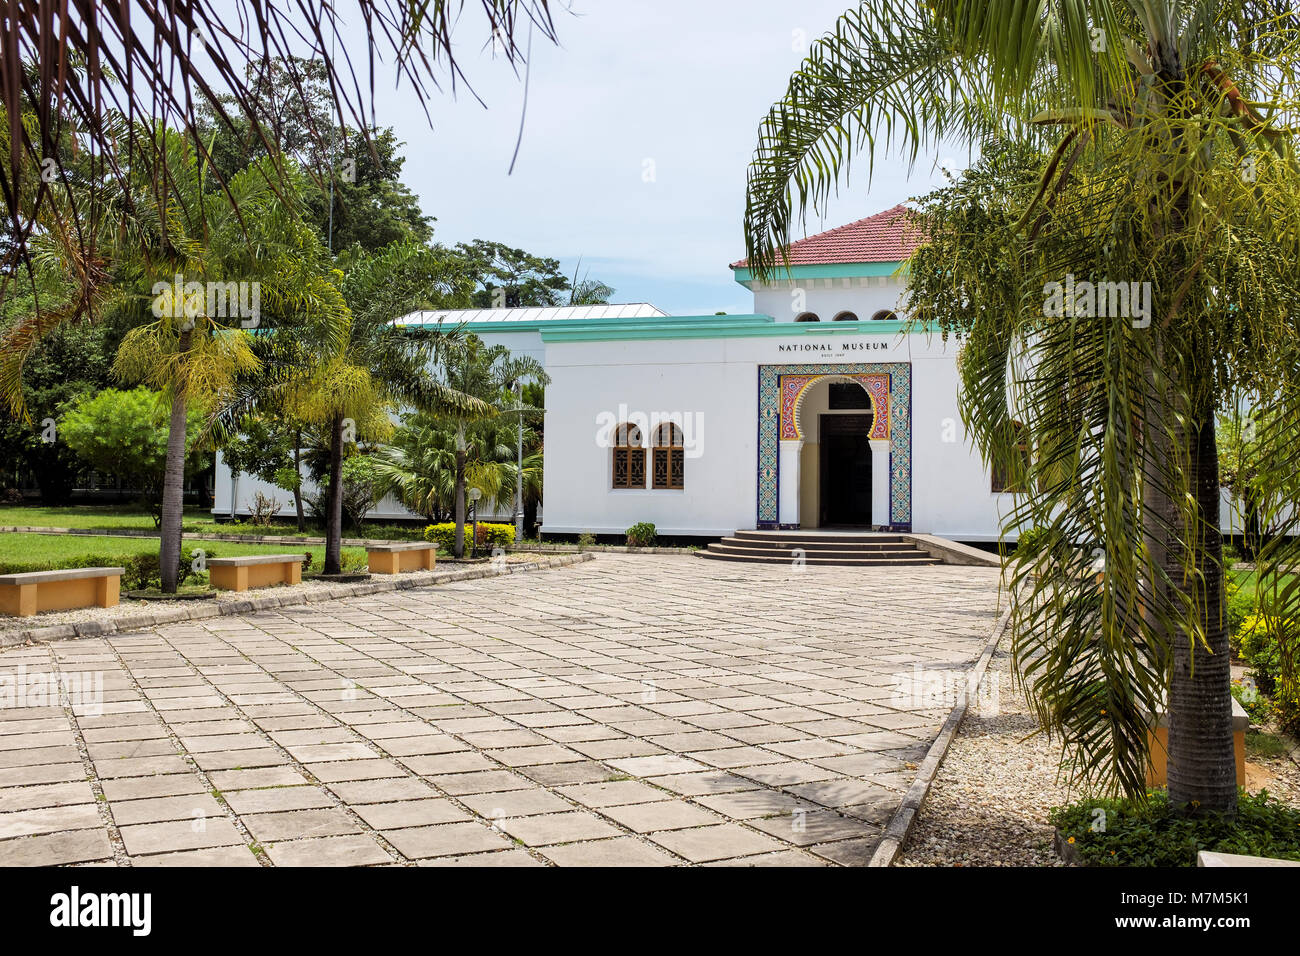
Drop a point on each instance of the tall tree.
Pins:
(512, 278)
(1169, 170)
(352, 374)
(355, 196)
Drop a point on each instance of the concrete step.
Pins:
(826, 537)
(826, 548)
(731, 546)
(839, 560)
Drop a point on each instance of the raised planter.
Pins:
(23, 595)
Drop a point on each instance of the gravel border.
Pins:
(272, 598)
(989, 803)
(905, 816)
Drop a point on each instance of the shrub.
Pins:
(1124, 833)
(1256, 705)
(143, 571)
(1032, 539)
(1259, 649)
(641, 535)
(586, 540)
(489, 535)
(496, 535)
(1261, 640)
(263, 509)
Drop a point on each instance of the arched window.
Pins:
(847, 317)
(629, 457)
(807, 317)
(669, 457)
(884, 315)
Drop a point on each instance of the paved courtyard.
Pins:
(632, 710)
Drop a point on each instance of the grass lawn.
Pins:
(33, 552)
(196, 521)
(1248, 581)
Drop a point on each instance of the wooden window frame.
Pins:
(629, 458)
(669, 459)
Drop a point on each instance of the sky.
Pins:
(639, 128)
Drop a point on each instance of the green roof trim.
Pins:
(710, 327)
(684, 327)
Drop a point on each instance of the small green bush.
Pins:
(489, 535)
(140, 572)
(1258, 638)
(1125, 833)
(586, 540)
(1256, 705)
(1032, 539)
(641, 535)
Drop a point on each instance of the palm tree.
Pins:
(1171, 169)
(353, 373)
(488, 373)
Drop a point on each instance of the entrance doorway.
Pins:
(845, 469)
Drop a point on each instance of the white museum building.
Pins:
(816, 410)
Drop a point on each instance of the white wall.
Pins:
(826, 298)
(690, 382)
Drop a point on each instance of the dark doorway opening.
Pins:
(845, 470)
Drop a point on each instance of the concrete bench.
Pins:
(396, 558)
(1158, 771)
(255, 571)
(23, 595)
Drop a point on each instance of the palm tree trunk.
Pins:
(1201, 765)
(297, 488)
(334, 513)
(1202, 768)
(173, 498)
(459, 549)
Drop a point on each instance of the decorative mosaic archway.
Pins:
(780, 392)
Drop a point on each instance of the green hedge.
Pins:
(489, 535)
(76, 561)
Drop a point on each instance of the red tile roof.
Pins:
(885, 237)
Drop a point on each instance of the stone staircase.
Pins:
(849, 549)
